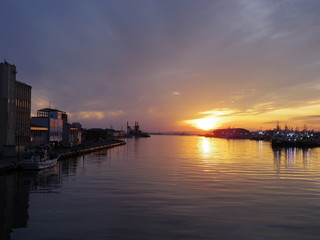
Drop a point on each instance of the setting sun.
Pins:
(204, 123)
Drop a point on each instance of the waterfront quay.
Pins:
(87, 148)
(278, 137)
(8, 164)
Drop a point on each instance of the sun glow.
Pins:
(204, 123)
(212, 119)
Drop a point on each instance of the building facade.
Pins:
(51, 127)
(72, 134)
(23, 112)
(7, 104)
(53, 120)
(39, 135)
(15, 108)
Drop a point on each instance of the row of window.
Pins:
(23, 91)
(55, 134)
(36, 133)
(23, 103)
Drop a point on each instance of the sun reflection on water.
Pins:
(205, 146)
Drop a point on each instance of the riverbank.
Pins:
(87, 148)
(8, 164)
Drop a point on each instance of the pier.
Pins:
(8, 164)
(87, 148)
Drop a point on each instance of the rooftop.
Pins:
(49, 110)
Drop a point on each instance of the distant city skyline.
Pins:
(170, 65)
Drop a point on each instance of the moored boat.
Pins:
(39, 159)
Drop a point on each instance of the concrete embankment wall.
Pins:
(11, 164)
(78, 152)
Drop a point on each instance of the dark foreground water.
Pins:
(168, 187)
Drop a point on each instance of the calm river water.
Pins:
(168, 187)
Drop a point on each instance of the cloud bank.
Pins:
(162, 62)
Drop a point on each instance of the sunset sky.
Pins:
(166, 63)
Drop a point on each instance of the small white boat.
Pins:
(37, 160)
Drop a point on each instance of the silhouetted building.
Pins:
(15, 108)
(96, 134)
(72, 134)
(230, 133)
(23, 112)
(99, 134)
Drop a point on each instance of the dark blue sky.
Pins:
(163, 62)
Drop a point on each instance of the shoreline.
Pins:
(9, 164)
(85, 149)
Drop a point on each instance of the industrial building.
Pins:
(15, 109)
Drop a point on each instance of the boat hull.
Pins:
(32, 164)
